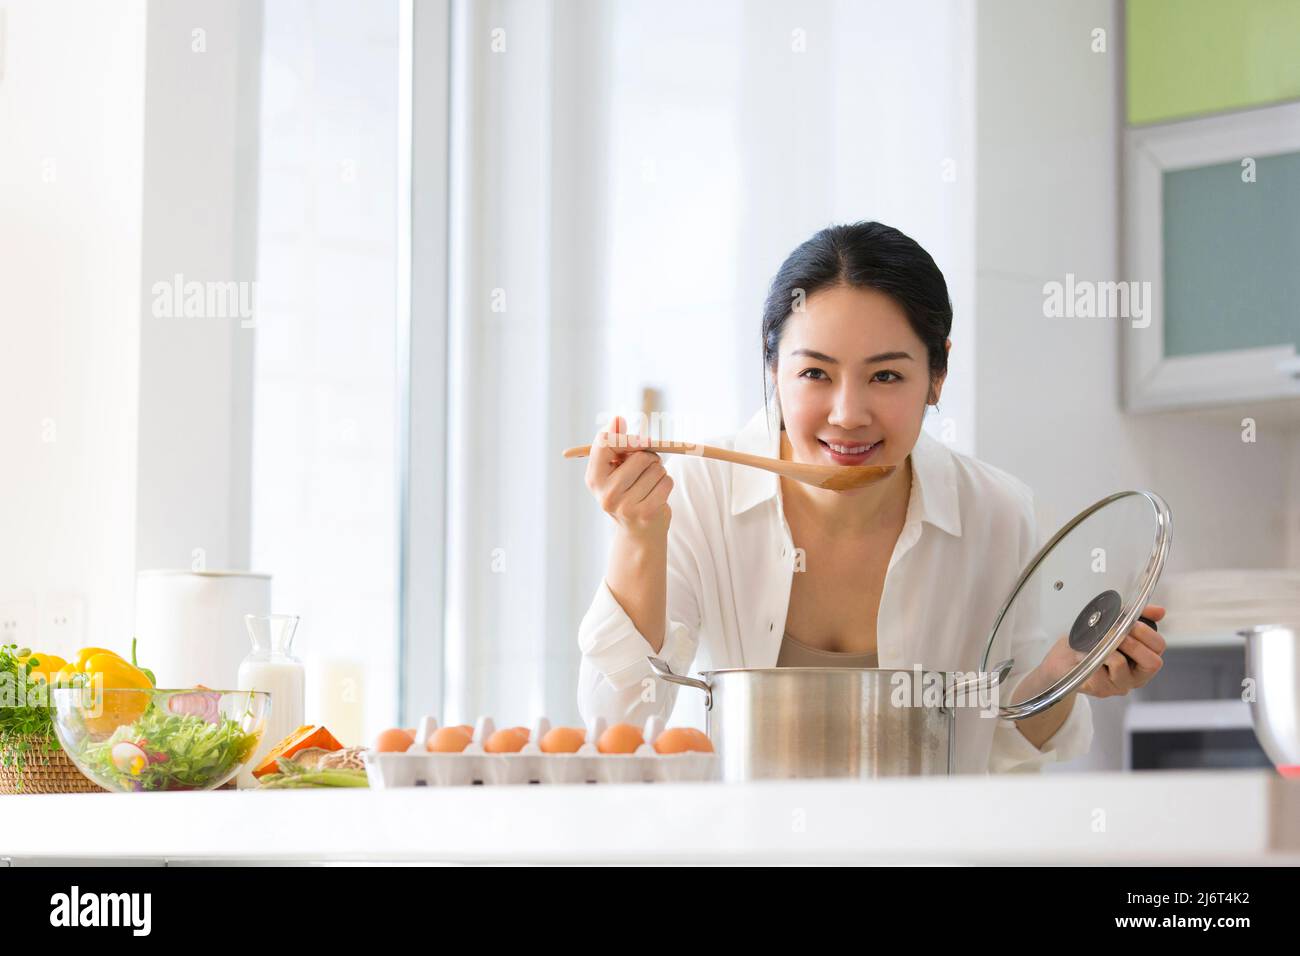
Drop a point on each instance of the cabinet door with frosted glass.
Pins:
(1212, 232)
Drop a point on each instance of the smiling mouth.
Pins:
(859, 450)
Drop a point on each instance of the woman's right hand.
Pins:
(631, 486)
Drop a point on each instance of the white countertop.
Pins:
(1238, 817)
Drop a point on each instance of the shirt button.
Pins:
(771, 625)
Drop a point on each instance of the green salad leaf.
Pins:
(169, 751)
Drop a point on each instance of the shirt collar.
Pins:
(934, 474)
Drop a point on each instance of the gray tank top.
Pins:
(794, 654)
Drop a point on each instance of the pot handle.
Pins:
(666, 673)
(997, 675)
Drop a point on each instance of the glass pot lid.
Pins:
(1079, 597)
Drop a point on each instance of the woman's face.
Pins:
(851, 373)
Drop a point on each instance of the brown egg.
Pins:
(448, 740)
(468, 728)
(395, 740)
(563, 740)
(508, 741)
(676, 740)
(620, 739)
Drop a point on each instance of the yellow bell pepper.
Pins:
(63, 677)
(47, 665)
(86, 653)
(117, 672)
(115, 682)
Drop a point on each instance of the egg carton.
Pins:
(419, 768)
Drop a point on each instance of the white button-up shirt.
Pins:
(970, 530)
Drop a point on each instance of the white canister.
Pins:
(190, 624)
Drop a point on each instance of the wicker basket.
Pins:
(46, 771)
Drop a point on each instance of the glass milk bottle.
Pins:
(272, 667)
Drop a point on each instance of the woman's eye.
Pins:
(896, 378)
(812, 373)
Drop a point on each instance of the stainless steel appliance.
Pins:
(1193, 716)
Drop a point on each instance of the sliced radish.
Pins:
(129, 758)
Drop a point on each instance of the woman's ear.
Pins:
(936, 381)
(936, 388)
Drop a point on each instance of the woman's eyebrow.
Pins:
(823, 357)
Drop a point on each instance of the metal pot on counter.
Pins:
(812, 722)
(832, 721)
(1273, 667)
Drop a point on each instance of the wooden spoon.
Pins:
(832, 477)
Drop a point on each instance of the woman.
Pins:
(747, 569)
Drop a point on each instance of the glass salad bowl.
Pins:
(141, 740)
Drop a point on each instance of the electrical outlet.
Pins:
(18, 622)
(63, 624)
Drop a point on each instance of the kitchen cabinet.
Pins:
(1212, 234)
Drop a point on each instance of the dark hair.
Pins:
(865, 255)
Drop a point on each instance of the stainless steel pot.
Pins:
(783, 722)
(1273, 667)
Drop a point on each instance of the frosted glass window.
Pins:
(1232, 256)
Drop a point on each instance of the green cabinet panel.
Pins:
(1191, 57)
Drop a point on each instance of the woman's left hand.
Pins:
(1140, 661)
